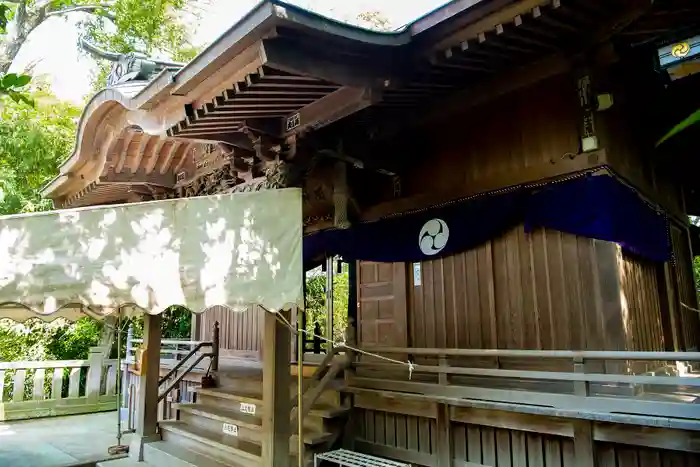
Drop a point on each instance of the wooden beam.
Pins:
(360, 73)
(528, 75)
(489, 23)
(650, 437)
(504, 179)
(244, 101)
(276, 382)
(339, 104)
(242, 113)
(224, 109)
(542, 424)
(141, 176)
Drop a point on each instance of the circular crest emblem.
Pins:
(433, 237)
(680, 50)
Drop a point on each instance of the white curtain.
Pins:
(233, 250)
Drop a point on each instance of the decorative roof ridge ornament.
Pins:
(132, 66)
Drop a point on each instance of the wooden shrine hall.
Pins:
(519, 248)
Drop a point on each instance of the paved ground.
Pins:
(58, 441)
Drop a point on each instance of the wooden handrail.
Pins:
(184, 360)
(169, 341)
(542, 375)
(311, 396)
(320, 371)
(179, 378)
(550, 354)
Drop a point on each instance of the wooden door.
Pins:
(381, 313)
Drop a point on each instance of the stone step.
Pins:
(249, 426)
(219, 446)
(168, 454)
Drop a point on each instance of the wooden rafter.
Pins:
(154, 155)
(489, 23)
(138, 157)
(345, 71)
(169, 155)
(183, 153)
(128, 136)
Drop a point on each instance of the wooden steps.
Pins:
(327, 407)
(224, 426)
(218, 446)
(249, 426)
(171, 455)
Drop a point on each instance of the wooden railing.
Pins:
(327, 372)
(597, 385)
(179, 359)
(52, 388)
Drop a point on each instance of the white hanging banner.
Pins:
(234, 250)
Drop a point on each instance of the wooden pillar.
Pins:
(146, 419)
(329, 304)
(584, 444)
(444, 436)
(276, 386)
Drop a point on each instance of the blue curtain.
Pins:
(598, 207)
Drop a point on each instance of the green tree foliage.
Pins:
(153, 27)
(316, 303)
(61, 340)
(692, 119)
(11, 84)
(150, 26)
(33, 141)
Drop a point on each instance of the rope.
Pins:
(409, 364)
(690, 308)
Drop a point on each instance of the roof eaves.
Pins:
(230, 43)
(259, 22)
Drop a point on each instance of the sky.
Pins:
(53, 52)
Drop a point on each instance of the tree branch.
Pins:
(92, 9)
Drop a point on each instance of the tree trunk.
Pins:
(13, 44)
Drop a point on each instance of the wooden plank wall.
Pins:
(685, 282)
(641, 305)
(533, 127)
(542, 290)
(416, 439)
(618, 455)
(237, 330)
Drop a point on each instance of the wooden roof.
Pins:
(283, 72)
